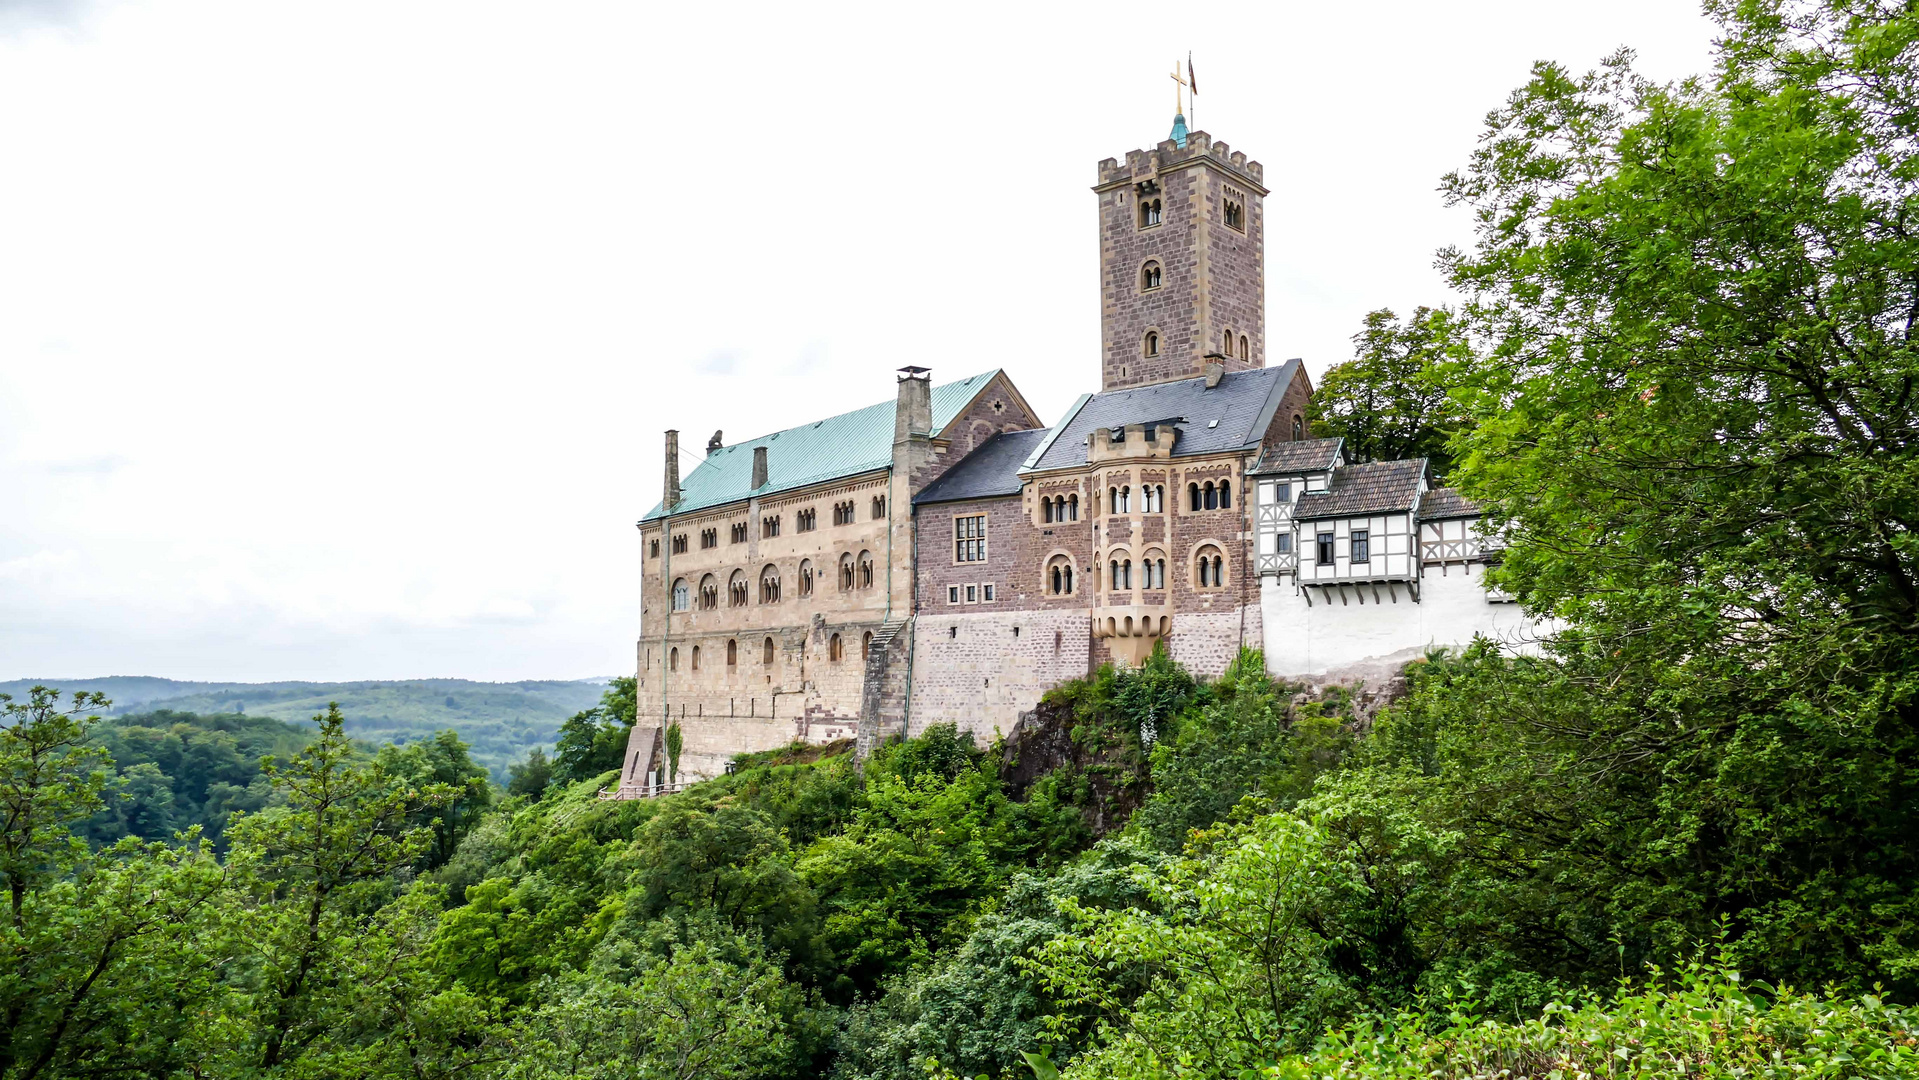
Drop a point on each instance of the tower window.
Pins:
(652, 549)
(766, 652)
(1148, 213)
(1150, 347)
(1245, 348)
(1236, 216)
(835, 650)
(1149, 278)
(682, 597)
(806, 577)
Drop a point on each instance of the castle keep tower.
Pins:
(1182, 254)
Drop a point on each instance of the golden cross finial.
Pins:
(1181, 81)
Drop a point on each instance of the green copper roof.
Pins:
(1179, 130)
(843, 445)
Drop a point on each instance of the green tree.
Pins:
(102, 956)
(1696, 429)
(594, 741)
(318, 871)
(675, 742)
(1393, 399)
(530, 777)
(440, 761)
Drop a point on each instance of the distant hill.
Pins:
(498, 721)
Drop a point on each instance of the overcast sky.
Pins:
(337, 339)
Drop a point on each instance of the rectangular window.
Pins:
(1285, 543)
(969, 538)
(972, 594)
(1362, 546)
(1283, 492)
(986, 593)
(1325, 549)
(952, 594)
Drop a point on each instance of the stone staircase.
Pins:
(883, 697)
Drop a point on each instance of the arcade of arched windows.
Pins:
(1209, 567)
(1054, 509)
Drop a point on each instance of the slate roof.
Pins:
(844, 445)
(1307, 455)
(991, 469)
(1443, 503)
(1230, 416)
(1375, 488)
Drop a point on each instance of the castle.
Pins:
(948, 556)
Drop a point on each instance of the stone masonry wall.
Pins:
(981, 669)
(1212, 275)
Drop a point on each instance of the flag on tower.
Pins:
(1192, 80)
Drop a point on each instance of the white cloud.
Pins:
(336, 340)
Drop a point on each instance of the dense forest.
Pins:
(500, 722)
(1683, 839)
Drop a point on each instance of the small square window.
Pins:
(952, 594)
(986, 592)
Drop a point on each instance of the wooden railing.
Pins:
(641, 791)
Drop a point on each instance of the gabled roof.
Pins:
(991, 469)
(1305, 456)
(844, 445)
(1443, 503)
(1376, 488)
(1231, 416)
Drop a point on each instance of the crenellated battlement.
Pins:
(1169, 154)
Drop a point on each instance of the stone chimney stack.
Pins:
(671, 498)
(913, 414)
(759, 467)
(1215, 371)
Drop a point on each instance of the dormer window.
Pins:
(1149, 278)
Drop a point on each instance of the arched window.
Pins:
(1299, 429)
(1159, 573)
(1212, 496)
(866, 569)
(1059, 575)
(1245, 349)
(673, 660)
(846, 572)
(1150, 347)
(879, 507)
(737, 592)
(1072, 507)
(696, 658)
(709, 593)
(769, 584)
(1149, 276)
(1152, 570)
(806, 577)
(766, 652)
(1226, 341)
(834, 649)
(1225, 495)
(682, 598)
(1209, 568)
(732, 653)
(1148, 213)
(1192, 496)
(866, 646)
(1046, 511)
(1112, 574)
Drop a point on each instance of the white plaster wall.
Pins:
(1344, 641)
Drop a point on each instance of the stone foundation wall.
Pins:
(1205, 642)
(974, 670)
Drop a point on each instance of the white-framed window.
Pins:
(972, 594)
(986, 593)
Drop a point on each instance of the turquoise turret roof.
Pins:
(1179, 130)
(843, 445)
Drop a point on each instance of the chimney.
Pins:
(1214, 372)
(913, 413)
(714, 444)
(759, 467)
(672, 497)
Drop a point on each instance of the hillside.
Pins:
(498, 721)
